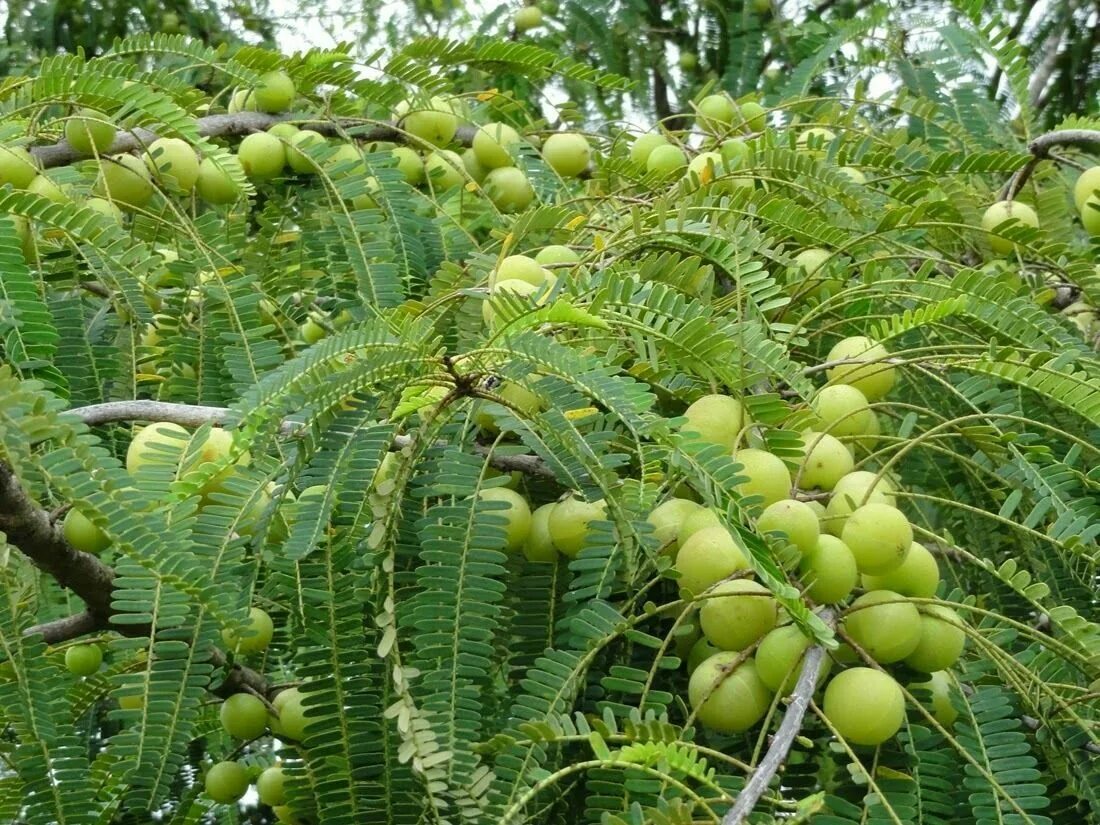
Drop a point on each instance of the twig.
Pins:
(784, 737)
(1040, 149)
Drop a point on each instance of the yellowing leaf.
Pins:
(580, 412)
(580, 220)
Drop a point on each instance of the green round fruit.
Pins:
(567, 153)
(90, 132)
(214, 185)
(284, 130)
(226, 782)
(829, 571)
(942, 639)
(556, 254)
(527, 18)
(808, 268)
(695, 521)
(495, 145)
(539, 546)
(271, 786)
(1002, 212)
(296, 158)
(706, 558)
(794, 519)
(1090, 215)
(699, 653)
(879, 537)
(48, 188)
(157, 444)
(83, 660)
(104, 207)
(346, 161)
(842, 410)
(874, 380)
(520, 268)
(918, 576)
(715, 112)
(443, 169)
(865, 706)
(173, 164)
(826, 461)
(473, 166)
(688, 61)
(291, 721)
(940, 687)
(569, 522)
(243, 716)
(512, 287)
(125, 179)
(666, 161)
(779, 659)
(1087, 185)
(256, 636)
(853, 491)
(517, 515)
(409, 164)
(750, 115)
(853, 174)
(643, 147)
(17, 166)
(717, 419)
(725, 701)
(262, 156)
(768, 477)
(668, 517)
(735, 152)
(885, 624)
(509, 189)
(82, 534)
(737, 613)
(275, 92)
(242, 100)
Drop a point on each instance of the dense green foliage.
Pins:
(360, 375)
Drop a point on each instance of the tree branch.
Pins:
(1040, 149)
(784, 737)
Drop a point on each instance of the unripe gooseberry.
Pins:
(443, 169)
(715, 112)
(284, 130)
(728, 701)
(214, 184)
(918, 576)
(517, 515)
(82, 534)
(17, 166)
(226, 782)
(826, 460)
(262, 156)
(104, 207)
(643, 147)
(794, 519)
(885, 624)
(518, 267)
(556, 254)
(700, 651)
(865, 706)
(495, 145)
(829, 571)
(1003, 212)
(853, 491)
(567, 153)
(409, 164)
(291, 721)
(717, 419)
(737, 613)
(90, 132)
(879, 537)
(767, 476)
(1088, 183)
(939, 687)
(779, 659)
(1090, 215)
(539, 547)
(509, 189)
(750, 115)
(870, 374)
(173, 163)
(706, 558)
(271, 786)
(255, 636)
(48, 188)
(433, 122)
(942, 639)
(512, 287)
(666, 160)
(161, 443)
(527, 18)
(695, 521)
(842, 410)
(667, 518)
(473, 166)
(296, 151)
(83, 660)
(275, 92)
(243, 716)
(569, 523)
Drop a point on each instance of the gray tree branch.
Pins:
(1040, 149)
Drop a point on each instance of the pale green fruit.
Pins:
(262, 156)
(1090, 215)
(808, 269)
(433, 122)
(409, 164)
(736, 153)
(275, 92)
(879, 537)
(885, 624)
(695, 521)
(214, 185)
(271, 786)
(738, 613)
(668, 517)
(852, 492)
(291, 722)
(865, 706)
(90, 132)
(509, 189)
(473, 166)
(779, 659)
(82, 534)
(283, 130)
(768, 477)
(688, 61)
(666, 161)
(83, 660)
(853, 174)
(520, 268)
(243, 716)
(708, 557)
(918, 576)
(346, 161)
(173, 164)
(874, 380)
(443, 169)
(1086, 186)
(296, 158)
(942, 639)
(157, 444)
(826, 461)
(512, 287)
(242, 100)
(256, 636)
(725, 701)
(17, 166)
(842, 410)
(47, 188)
(567, 153)
(517, 516)
(1083, 317)
(226, 782)
(940, 687)
(104, 207)
(569, 523)
(539, 547)
(495, 145)
(718, 419)
(715, 112)
(700, 652)
(527, 18)
(795, 519)
(750, 114)
(829, 571)
(641, 149)
(1001, 212)
(556, 254)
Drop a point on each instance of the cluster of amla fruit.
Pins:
(743, 653)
